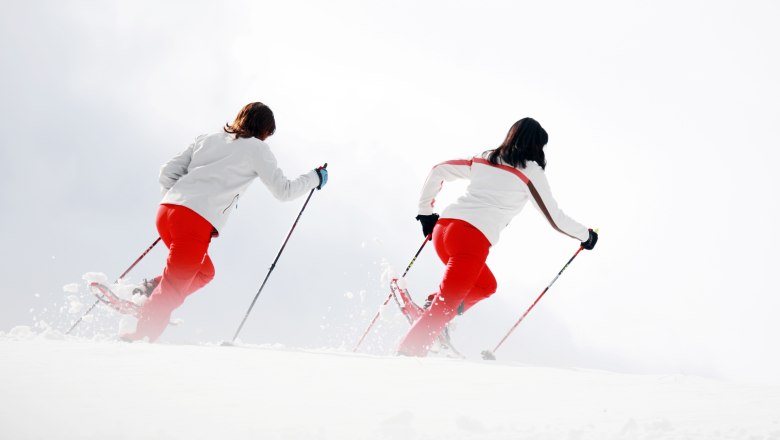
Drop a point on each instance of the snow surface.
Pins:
(58, 387)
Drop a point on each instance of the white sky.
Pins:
(662, 121)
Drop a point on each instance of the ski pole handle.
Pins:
(322, 174)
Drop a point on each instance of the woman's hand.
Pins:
(590, 243)
(428, 222)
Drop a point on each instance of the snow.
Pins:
(388, 273)
(71, 288)
(97, 277)
(74, 304)
(54, 386)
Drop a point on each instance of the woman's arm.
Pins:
(546, 204)
(445, 171)
(273, 177)
(177, 167)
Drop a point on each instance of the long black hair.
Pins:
(525, 141)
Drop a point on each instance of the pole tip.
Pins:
(488, 355)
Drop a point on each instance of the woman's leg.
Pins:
(484, 287)
(464, 249)
(203, 277)
(187, 269)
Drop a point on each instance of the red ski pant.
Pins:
(188, 268)
(467, 280)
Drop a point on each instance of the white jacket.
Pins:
(495, 195)
(212, 174)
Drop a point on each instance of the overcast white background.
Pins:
(663, 133)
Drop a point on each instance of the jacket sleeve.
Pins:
(445, 171)
(175, 168)
(543, 201)
(273, 177)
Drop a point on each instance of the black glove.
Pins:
(590, 243)
(428, 222)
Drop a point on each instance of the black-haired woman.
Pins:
(202, 186)
(501, 182)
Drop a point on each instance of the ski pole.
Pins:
(373, 321)
(273, 265)
(489, 355)
(117, 280)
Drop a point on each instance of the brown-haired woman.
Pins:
(202, 186)
(502, 181)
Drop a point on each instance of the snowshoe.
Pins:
(121, 305)
(108, 297)
(443, 345)
(429, 300)
(412, 312)
(408, 307)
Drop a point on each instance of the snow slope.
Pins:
(52, 387)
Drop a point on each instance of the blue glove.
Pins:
(322, 173)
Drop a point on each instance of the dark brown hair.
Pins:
(254, 120)
(525, 141)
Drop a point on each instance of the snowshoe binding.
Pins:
(147, 287)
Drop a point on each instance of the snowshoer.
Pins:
(502, 180)
(202, 186)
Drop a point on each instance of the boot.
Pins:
(147, 287)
